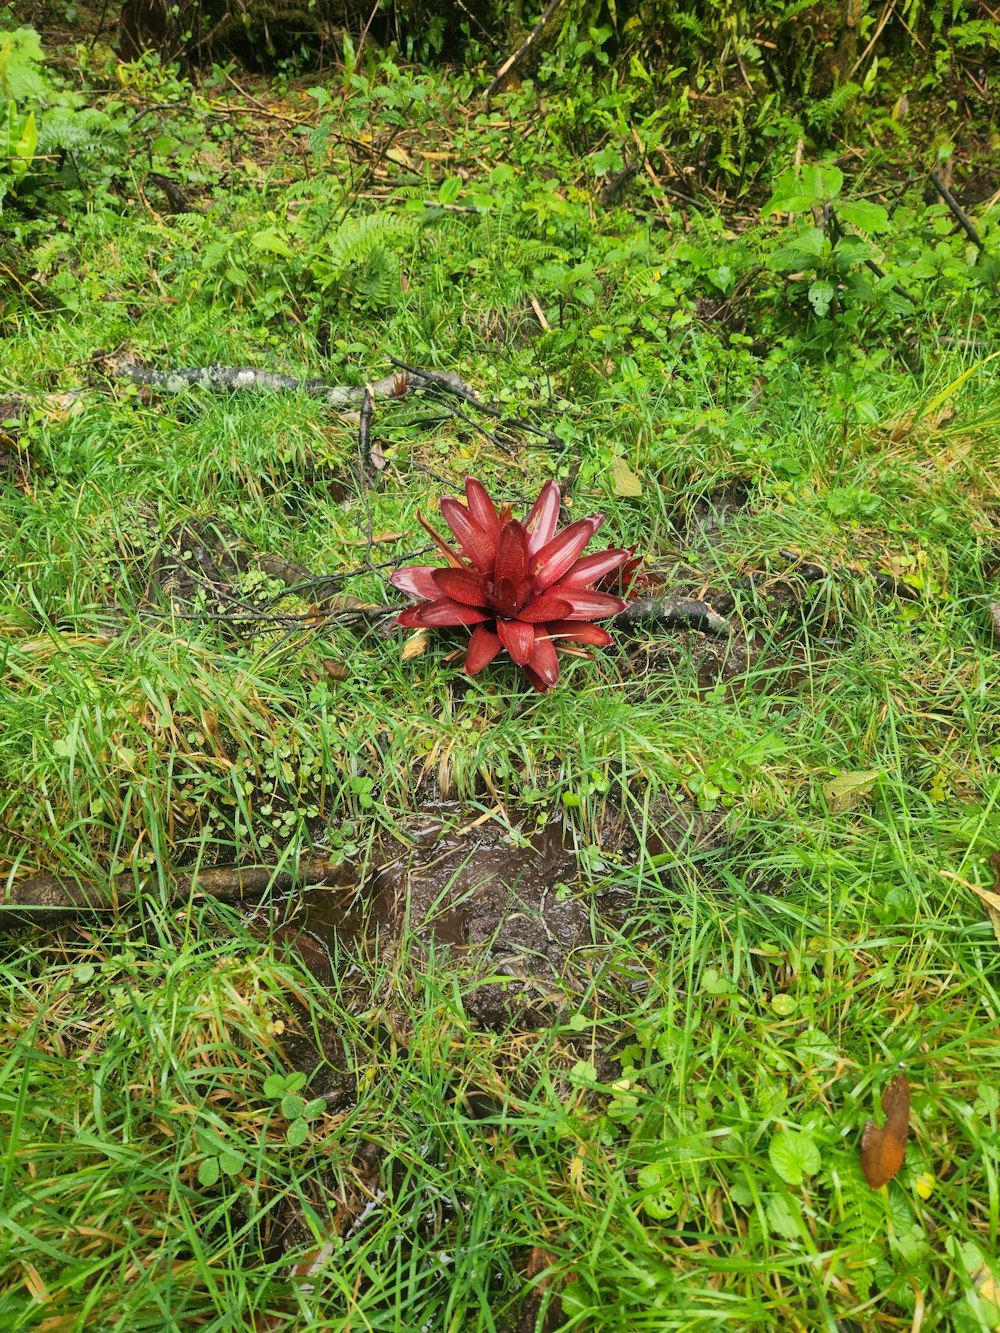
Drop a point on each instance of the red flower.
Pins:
(522, 586)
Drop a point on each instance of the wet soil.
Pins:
(505, 904)
(510, 906)
(526, 935)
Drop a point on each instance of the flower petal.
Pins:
(461, 585)
(544, 663)
(597, 566)
(578, 631)
(541, 522)
(585, 604)
(483, 647)
(475, 543)
(511, 552)
(560, 554)
(417, 580)
(482, 508)
(544, 608)
(518, 638)
(441, 614)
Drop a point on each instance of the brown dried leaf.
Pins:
(415, 645)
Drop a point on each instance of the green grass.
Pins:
(771, 980)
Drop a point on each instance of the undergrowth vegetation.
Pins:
(216, 1116)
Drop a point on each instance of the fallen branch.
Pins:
(240, 379)
(672, 612)
(50, 899)
(245, 379)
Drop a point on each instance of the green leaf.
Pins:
(815, 1048)
(312, 1110)
(574, 1298)
(866, 217)
(824, 183)
(231, 1163)
(583, 1074)
(450, 189)
(297, 1133)
(28, 142)
(21, 58)
(214, 254)
(788, 196)
(784, 1005)
(782, 1218)
(821, 296)
(794, 1155)
(660, 1196)
(607, 159)
(292, 1105)
(716, 984)
(275, 1085)
(208, 1172)
(801, 250)
(273, 243)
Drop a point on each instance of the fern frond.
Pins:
(355, 243)
(827, 112)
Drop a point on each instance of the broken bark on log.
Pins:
(672, 612)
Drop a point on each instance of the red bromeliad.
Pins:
(521, 586)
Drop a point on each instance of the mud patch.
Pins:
(509, 905)
(506, 904)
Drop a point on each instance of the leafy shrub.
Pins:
(44, 126)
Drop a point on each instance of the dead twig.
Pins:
(961, 217)
(515, 58)
(50, 899)
(372, 461)
(453, 383)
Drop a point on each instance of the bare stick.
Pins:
(48, 899)
(533, 38)
(961, 217)
(231, 379)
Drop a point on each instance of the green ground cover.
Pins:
(670, 1140)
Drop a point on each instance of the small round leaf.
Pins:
(794, 1155)
(208, 1172)
(297, 1133)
